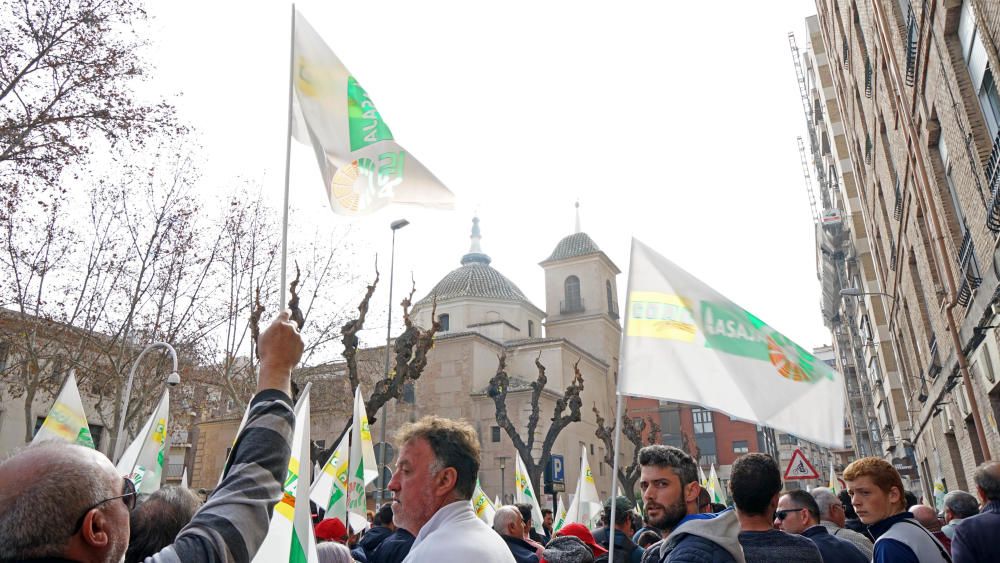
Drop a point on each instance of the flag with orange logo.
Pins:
(363, 167)
(688, 343)
(143, 459)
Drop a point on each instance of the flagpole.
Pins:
(288, 160)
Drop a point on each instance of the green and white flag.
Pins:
(702, 480)
(363, 167)
(835, 487)
(290, 536)
(524, 492)
(560, 517)
(143, 458)
(586, 504)
(363, 468)
(66, 420)
(481, 503)
(715, 489)
(686, 342)
(330, 488)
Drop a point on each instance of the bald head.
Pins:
(926, 516)
(44, 489)
(508, 521)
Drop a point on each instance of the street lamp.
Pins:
(503, 481)
(172, 380)
(395, 226)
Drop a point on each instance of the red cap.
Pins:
(331, 529)
(580, 531)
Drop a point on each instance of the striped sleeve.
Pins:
(232, 524)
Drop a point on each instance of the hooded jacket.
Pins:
(704, 540)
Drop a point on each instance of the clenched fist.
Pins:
(280, 348)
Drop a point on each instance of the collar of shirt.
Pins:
(817, 530)
(882, 526)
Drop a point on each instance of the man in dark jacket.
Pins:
(382, 528)
(509, 523)
(394, 548)
(798, 513)
(625, 549)
(976, 538)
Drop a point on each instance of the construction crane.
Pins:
(808, 178)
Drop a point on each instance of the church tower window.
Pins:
(573, 302)
(612, 306)
(444, 321)
(531, 329)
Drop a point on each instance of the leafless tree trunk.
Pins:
(632, 430)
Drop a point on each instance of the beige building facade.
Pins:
(905, 104)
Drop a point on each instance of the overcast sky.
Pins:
(674, 122)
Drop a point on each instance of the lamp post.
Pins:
(394, 226)
(173, 379)
(503, 480)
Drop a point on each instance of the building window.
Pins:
(444, 321)
(741, 447)
(977, 62)
(612, 307)
(531, 329)
(4, 355)
(573, 303)
(706, 460)
(409, 396)
(787, 440)
(591, 449)
(702, 421)
(495, 434)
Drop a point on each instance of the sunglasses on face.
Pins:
(128, 496)
(782, 514)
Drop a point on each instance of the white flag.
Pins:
(363, 469)
(702, 480)
(715, 489)
(481, 503)
(835, 487)
(184, 478)
(290, 536)
(686, 342)
(525, 492)
(363, 167)
(66, 420)
(561, 515)
(586, 502)
(143, 458)
(330, 489)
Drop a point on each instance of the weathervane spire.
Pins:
(578, 229)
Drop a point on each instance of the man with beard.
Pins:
(668, 480)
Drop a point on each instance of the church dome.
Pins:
(576, 244)
(476, 279)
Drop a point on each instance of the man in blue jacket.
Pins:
(976, 538)
(798, 513)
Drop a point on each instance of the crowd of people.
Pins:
(60, 502)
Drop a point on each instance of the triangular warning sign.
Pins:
(800, 468)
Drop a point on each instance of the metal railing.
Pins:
(897, 209)
(912, 42)
(971, 279)
(992, 170)
(868, 77)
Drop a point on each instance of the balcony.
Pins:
(897, 209)
(572, 306)
(971, 279)
(992, 171)
(868, 77)
(912, 42)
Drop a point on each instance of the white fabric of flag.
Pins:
(702, 480)
(715, 489)
(66, 420)
(363, 167)
(560, 518)
(363, 468)
(143, 458)
(184, 478)
(330, 488)
(586, 504)
(485, 510)
(290, 535)
(686, 342)
(524, 492)
(834, 481)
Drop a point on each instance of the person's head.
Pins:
(547, 517)
(579, 531)
(704, 502)
(755, 482)
(845, 500)
(668, 480)
(926, 516)
(797, 512)
(509, 522)
(384, 516)
(648, 538)
(623, 513)
(438, 464)
(910, 499)
(876, 489)
(987, 479)
(63, 500)
(332, 530)
(718, 507)
(959, 504)
(568, 549)
(830, 506)
(157, 520)
(333, 552)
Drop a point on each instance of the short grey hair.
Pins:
(505, 516)
(39, 515)
(156, 522)
(825, 499)
(961, 504)
(674, 458)
(987, 478)
(333, 552)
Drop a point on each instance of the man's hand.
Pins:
(280, 348)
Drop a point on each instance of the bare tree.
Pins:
(498, 390)
(67, 69)
(632, 430)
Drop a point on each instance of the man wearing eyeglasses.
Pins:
(798, 513)
(833, 517)
(63, 502)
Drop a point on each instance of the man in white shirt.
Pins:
(432, 491)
